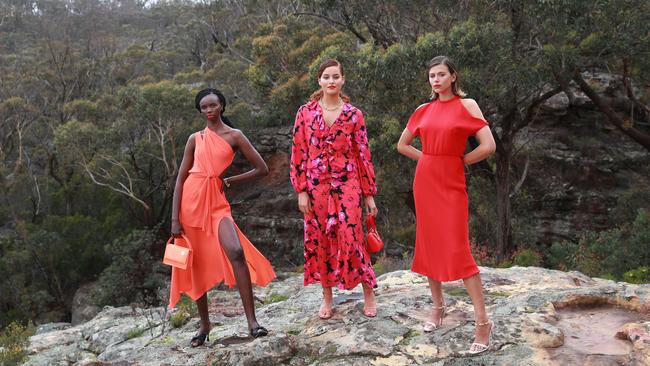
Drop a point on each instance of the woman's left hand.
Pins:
(371, 208)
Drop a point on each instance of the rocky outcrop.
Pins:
(586, 162)
(534, 311)
(267, 210)
(83, 305)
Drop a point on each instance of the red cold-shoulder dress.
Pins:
(442, 241)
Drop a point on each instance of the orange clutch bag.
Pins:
(373, 240)
(177, 254)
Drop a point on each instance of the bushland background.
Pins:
(96, 103)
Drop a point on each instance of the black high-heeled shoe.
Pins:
(259, 331)
(199, 339)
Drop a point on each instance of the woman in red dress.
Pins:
(442, 241)
(331, 170)
(200, 211)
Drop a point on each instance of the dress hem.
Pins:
(341, 286)
(447, 278)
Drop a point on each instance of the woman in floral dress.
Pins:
(332, 173)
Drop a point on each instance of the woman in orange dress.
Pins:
(442, 241)
(200, 212)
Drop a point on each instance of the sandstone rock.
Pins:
(83, 306)
(526, 305)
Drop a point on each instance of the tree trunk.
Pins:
(624, 125)
(504, 224)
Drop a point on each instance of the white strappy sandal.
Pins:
(477, 348)
(430, 326)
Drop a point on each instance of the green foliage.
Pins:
(527, 258)
(275, 297)
(404, 235)
(457, 291)
(135, 333)
(41, 269)
(629, 203)
(386, 264)
(136, 271)
(185, 310)
(14, 340)
(179, 318)
(639, 275)
(613, 252)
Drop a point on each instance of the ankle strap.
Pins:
(482, 324)
(439, 307)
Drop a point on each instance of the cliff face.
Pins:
(580, 163)
(541, 317)
(267, 210)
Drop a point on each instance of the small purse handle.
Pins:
(171, 238)
(370, 222)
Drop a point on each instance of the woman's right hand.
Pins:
(304, 204)
(177, 229)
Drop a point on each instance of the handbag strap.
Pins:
(171, 238)
(370, 222)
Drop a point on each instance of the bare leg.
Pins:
(230, 243)
(438, 301)
(202, 305)
(369, 305)
(325, 311)
(475, 291)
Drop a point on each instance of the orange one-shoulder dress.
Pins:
(203, 206)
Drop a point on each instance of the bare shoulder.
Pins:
(421, 105)
(472, 107)
(237, 135)
(191, 140)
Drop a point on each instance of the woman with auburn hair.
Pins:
(332, 173)
(201, 213)
(442, 240)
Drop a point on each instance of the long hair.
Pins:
(453, 70)
(222, 100)
(319, 93)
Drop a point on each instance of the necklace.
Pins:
(322, 104)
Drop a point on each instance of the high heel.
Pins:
(477, 348)
(430, 326)
(259, 331)
(369, 311)
(199, 339)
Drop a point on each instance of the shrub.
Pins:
(385, 264)
(136, 272)
(185, 310)
(135, 333)
(526, 258)
(480, 254)
(13, 341)
(639, 275)
(613, 252)
(629, 203)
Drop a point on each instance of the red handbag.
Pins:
(178, 253)
(373, 240)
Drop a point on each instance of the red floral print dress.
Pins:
(332, 164)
